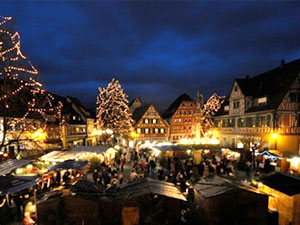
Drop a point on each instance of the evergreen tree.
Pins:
(25, 106)
(208, 110)
(112, 109)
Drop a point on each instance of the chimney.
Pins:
(282, 63)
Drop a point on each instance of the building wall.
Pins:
(284, 204)
(183, 122)
(261, 125)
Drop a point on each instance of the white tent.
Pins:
(80, 152)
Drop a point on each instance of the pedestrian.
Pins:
(247, 169)
(169, 163)
(200, 168)
(122, 164)
(95, 175)
(58, 177)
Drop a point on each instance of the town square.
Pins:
(149, 112)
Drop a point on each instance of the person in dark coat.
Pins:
(200, 168)
(95, 175)
(58, 177)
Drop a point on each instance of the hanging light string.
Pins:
(18, 73)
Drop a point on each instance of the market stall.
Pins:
(12, 165)
(81, 153)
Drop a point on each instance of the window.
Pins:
(226, 108)
(285, 122)
(74, 117)
(156, 130)
(262, 101)
(233, 142)
(154, 121)
(138, 130)
(236, 104)
(162, 130)
(225, 141)
(146, 130)
(235, 88)
(146, 121)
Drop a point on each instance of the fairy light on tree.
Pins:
(112, 109)
(208, 110)
(25, 106)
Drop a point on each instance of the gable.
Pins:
(151, 113)
(236, 91)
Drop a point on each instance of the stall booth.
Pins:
(10, 166)
(17, 192)
(104, 153)
(279, 161)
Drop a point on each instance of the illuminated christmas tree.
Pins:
(208, 110)
(113, 110)
(25, 107)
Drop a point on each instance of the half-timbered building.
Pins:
(182, 119)
(148, 124)
(264, 110)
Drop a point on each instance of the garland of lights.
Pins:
(17, 73)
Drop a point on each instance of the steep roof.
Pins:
(283, 183)
(173, 107)
(139, 112)
(273, 84)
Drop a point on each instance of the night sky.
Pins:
(158, 50)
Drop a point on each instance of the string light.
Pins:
(112, 109)
(19, 84)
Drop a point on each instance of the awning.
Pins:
(69, 164)
(13, 184)
(10, 165)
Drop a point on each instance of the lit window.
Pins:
(147, 131)
(74, 117)
(262, 100)
(154, 120)
(162, 130)
(138, 130)
(226, 108)
(156, 130)
(146, 121)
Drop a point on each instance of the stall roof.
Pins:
(169, 147)
(212, 186)
(147, 186)
(85, 186)
(12, 184)
(283, 183)
(59, 156)
(10, 165)
(69, 164)
(216, 185)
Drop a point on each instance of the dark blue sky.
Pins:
(157, 50)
